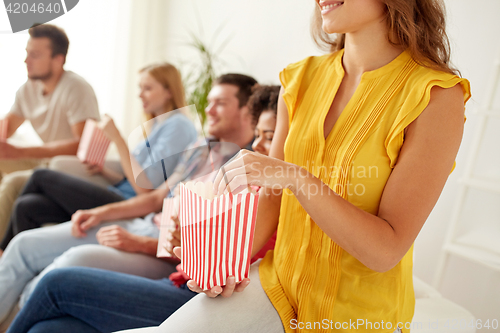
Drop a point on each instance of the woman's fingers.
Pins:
(214, 292)
(178, 252)
(233, 178)
(229, 288)
(226, 291)
(221, 178)
(242, 285)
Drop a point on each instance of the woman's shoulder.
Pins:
(423, 73)
(177, 119)
(297, 77)
(424, 78)
(177, 122)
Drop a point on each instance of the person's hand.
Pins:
(93, 169)
(225, 291)
(107, 125)
(83, 220)
(173, 235)
(249, 168)
(116, 237)
(8, 151)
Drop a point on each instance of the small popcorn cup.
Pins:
(216, 234)
(93, 144)
(170, 208)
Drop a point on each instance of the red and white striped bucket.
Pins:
(216, 236)
(170, 207)
(93, 144)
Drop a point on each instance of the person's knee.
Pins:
(14, 182)
(42, 175)
(23, 206)
(55, 277)
(22, 203)
(19, 246)
(61, 163)
(82, 255)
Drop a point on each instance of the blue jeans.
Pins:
(82, 300)
(34, 253)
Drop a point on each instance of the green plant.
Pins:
(200, 79)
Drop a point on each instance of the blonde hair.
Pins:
(170, 78)
(416, 25)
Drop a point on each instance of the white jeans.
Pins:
(31, 254)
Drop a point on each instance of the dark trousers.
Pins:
(53, 197)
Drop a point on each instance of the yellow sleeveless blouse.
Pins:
(312, 282)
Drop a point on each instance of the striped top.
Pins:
(308, 277)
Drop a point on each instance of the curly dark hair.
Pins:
(264, 98)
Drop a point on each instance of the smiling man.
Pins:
(56, 102)
(123, 236)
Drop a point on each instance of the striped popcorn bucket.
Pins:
(4, 126)
(170, 208)
(93, 144)
(216, 235)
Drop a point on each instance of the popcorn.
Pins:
(216, 233)
(170, 208)
(93, 144)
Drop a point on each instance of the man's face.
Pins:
(39, 60)
(224, 116)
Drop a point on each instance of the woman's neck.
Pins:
(368, 50)
(167, 108)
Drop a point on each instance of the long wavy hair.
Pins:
(416, 25)
(170, 78)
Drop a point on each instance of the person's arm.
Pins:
(14, 121)
(51, 149)
(112, 176)
(128, 162)
(137, 206)
(424, 163)
(270, 201)
(117, 237)
(413, 188)
(268, 208)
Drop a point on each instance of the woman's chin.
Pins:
(330, 28)
(149, 112)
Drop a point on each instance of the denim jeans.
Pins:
(33, 253)
(85, 300)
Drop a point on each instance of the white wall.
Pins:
(268, 35)
(95, 52)
(264, 36)
(473, 29)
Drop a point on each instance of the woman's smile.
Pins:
(328, 6)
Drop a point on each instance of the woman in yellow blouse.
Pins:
(365, 140)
